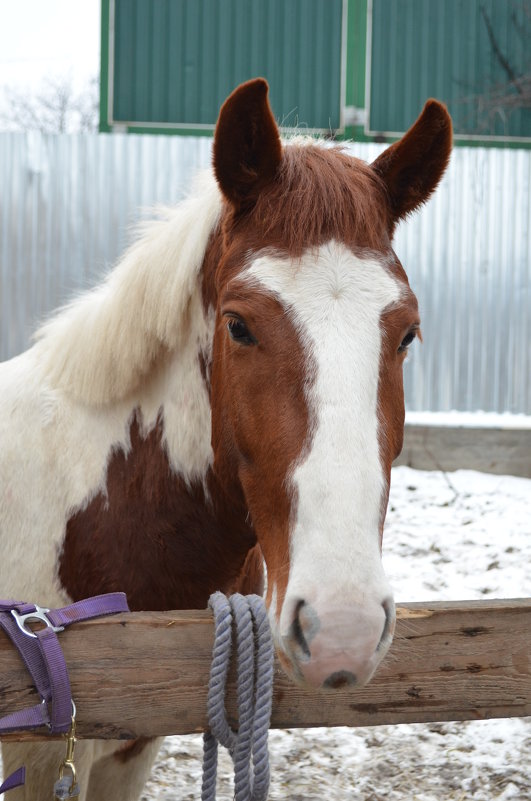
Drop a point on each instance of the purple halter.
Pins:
(43, 657)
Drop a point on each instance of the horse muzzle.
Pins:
(326, 646)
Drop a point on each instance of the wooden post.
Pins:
(146, 674)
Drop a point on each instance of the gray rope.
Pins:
(247, 746)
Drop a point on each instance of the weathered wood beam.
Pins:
(146, 674)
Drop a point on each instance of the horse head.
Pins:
(314, 316)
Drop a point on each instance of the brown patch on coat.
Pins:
(260, 417)
(152, 535)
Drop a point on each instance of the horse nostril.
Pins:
(389, 609)
(296, 632)
(342, 678)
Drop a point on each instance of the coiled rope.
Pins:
(247, 746)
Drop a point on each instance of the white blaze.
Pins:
(335, 300)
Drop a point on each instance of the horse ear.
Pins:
(412, 167)
(247, 148)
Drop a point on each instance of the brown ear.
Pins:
(247, 148)
(412, 167)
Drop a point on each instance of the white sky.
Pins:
(40, 38)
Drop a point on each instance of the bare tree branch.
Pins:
(54, 108)
(486, 105)
(496, 48)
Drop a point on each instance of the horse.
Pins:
(230, 395)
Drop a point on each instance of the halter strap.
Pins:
(41, 653)
(16, 779)
(43, 657)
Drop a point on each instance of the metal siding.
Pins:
(67, 204)
(429, 48)
(177, 60)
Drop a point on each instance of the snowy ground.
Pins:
(454, 536)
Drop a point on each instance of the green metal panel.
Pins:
(472, 54)
(173, 62)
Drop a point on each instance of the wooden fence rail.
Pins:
(146, 674)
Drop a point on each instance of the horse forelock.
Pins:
(320, 193)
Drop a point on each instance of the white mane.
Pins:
(100, 346)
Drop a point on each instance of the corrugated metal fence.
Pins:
(66, 203)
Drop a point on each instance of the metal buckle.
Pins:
(40, 613)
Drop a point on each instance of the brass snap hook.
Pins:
(65, 788)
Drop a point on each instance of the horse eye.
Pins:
(406, 342)
(239, 332)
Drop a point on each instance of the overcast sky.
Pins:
(48, 37)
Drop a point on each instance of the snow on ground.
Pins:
(452, 536)
(458, 536)
(455, 419)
